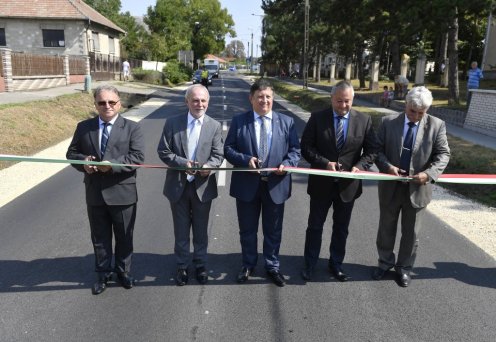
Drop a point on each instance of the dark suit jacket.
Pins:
(125, 146)
(173, 151)
(241, 146)
(430, 154)
(318, 147)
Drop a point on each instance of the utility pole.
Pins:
(305, 46)
(251, 58)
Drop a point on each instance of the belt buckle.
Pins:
(264, 178)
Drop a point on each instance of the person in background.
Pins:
(192, 139)
(126, 70)
(474, 77)
(412, 144)
(111, 193)
(261, 138)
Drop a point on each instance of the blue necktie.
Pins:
(105, 137)
(262, 149)
(406, 152)
(340, 134)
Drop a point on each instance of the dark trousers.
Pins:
(189, 213)
(248, 218)
(319, 207)
(116, 219)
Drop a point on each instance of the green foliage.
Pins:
(148, 76)
(177, 72)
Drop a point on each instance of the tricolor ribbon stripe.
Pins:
(488, 179)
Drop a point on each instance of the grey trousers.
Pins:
(411, 223)
(190, 214)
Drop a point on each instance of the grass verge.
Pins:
(28, 128)
(466, 157)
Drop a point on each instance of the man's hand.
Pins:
(280, 170)
(204, 173)
(90, 168)
(420, 178)
(254, 163)
(354, 169)
(393, 170)
(334, 166)
(190, 164)
(104, 168)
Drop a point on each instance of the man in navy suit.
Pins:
(261, 138)
(335, 139)
(111, 193)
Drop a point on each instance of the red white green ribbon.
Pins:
(365, 175)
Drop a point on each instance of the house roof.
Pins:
(54, 9)
(215, 57)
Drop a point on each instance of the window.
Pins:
(96, 41)
(3, 41)
(53, 38)
(111, 46)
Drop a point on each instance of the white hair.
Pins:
(190, 89)
(419, 98)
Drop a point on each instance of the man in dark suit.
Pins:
(414, 144)
(261, 138)
(111, 193)
(191, 140)
(336, 139)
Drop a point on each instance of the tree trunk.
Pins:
(395, 58)
(361, 73)
(442, 57)
(453, 84)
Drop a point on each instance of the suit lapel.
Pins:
(95, 141)
(183, 135)
(115, 133)
(420, 134)
(251, 128)
(399, 125)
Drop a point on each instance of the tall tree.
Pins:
(235, 49)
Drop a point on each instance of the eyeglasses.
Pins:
(104, 103)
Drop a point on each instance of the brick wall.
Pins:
(481, 116)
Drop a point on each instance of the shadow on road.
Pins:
(72, 273)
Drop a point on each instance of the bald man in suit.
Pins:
(413, 144)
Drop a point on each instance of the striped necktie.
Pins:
(340, 134)
(406, 152)
(105, 137)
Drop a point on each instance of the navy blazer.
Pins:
(125, 146)
(241, 145)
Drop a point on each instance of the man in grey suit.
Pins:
(412, 144)
(188, 141)
(111, 193)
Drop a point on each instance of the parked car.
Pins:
(232, 68)
(197, 77)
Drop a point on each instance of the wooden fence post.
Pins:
(67, 72)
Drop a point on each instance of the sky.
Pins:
(240, 10)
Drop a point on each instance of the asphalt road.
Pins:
(46, 270)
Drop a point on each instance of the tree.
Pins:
(235, 49)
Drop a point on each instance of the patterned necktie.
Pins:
(194, 134)
(105, 137)
(340, 134)
(406, 152)
(262, 148)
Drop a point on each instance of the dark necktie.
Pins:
(340, 134)
(406, 152)
(262, 149)
(105, 137)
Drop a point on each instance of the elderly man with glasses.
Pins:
(111, 193)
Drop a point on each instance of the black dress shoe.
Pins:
(403, 278)
(181, 277)
(201, 275)
(307, 273)
(101, 283)
(126, 280)
(338, 273)
(276, 277)
(379, 273)
(244, 274)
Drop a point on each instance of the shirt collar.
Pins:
(192, 118)
(268, 115)
(346, 116)
(407, 121)
(112, 122)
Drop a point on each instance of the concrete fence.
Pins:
(481, 116)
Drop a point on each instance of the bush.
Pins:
(148, 76)
(176, 72)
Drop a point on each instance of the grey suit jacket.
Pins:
(125, 146)
(173, 151)
(430, 154)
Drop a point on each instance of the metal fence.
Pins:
(24, 64)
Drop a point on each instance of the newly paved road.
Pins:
(46, 270)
